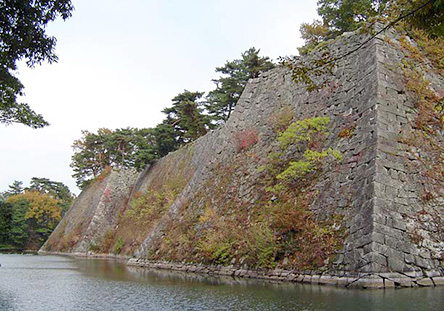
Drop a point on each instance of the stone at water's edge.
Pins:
(373, 186)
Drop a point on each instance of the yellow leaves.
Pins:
(42, 208)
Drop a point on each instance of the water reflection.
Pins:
(60, 283)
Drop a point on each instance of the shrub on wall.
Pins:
(245, 139)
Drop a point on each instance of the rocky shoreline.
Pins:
(343, 280)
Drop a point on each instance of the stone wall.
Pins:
(94, 213)
(373, 187)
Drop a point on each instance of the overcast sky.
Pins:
(121, 62)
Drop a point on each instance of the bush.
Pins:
(118, 246)
(245, 139)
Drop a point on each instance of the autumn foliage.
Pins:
(28, 219)
(245, 139)
(43, 209)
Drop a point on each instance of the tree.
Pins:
(230, 86)
(121, 148)
(430, 18)
(23, 37)
(28, 215)
(34, 217)
(313, 34)
(186, 117)
(165, 138)
(347, 15)
(340, 16)
(5, 223)
(90, 157)
(18, 234)
(15, 188)
(55, 190)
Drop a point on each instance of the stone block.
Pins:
(345, 281)
(425, 282)
(375, 257)
(432, 273)
(328, 280)
(307, 279)
(315, 279)
(438, 280)
(372, 282)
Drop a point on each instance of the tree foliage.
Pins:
(235, 75)
(5, 222)
(120, 148)
(339, 16)
(15, 188)
(34, 217)
(429, 19)
(313, 34)
(186, 117)
(23, 37)
(347, 15)
(29, 215)
(55, 190)
(42, 208)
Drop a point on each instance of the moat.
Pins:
(29, 282)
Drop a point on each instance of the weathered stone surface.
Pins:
(425, 282)
(328, 280)
(438, 281)
(389, 283)
(374, 187)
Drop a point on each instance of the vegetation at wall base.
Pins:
(278, 229)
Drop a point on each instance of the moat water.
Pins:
(43, 283)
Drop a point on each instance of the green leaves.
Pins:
(23, 36)
(29, 215)
(303, 131)
(347, 15)
(301, 154)
(121, 148)
(186, 117)
(10, 110)
(230, 86)
(311, 159)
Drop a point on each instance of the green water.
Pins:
(60, 283)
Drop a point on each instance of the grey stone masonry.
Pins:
(375, 188)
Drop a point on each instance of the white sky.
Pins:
(121, 62)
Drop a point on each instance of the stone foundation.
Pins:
(344, 280)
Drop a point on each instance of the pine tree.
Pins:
(229, 87)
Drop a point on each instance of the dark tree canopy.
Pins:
(15, 188)
(235, 75)
(120, 148)
(23, 37)
(28, 215)
(339, 16)
(348, 15)
(186, 117)
(54, 189)
(429, 19)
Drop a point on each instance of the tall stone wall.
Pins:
(373, 187)
(398, 184)
(94, 213)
